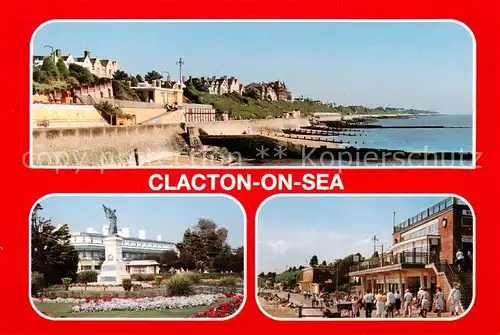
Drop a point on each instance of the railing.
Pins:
(405, 257)
(431, 211)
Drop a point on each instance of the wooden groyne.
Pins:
(264, 148)
(318, 132)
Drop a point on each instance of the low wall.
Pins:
(106, 146)
(65, 116)
(238, 127)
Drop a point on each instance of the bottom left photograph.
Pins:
(102, 256)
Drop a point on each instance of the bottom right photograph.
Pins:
(365, 257)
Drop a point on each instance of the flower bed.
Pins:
(222, 310)
(101, 304)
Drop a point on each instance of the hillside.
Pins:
(244, 107)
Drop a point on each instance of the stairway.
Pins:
(465, 279)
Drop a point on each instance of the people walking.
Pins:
(368, 302)
(380, 304)
(454, 299)
(425, 305)
(419, 300)
(397, 302)
(390, 304)
(408, 299)
(439, 301)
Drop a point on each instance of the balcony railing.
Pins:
(431, 211)
(406, 257)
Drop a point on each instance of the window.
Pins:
(467, 222)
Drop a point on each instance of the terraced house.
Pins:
(423, 253)
(102, 68)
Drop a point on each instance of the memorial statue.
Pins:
(111, 216)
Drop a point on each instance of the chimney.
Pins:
(86, 53)
(202, 78)
(58, 53)
(142, 234)
(105, 230)
(158, 236)
(183, 79)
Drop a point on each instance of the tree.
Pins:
(134, 82)
(153, 75)
(139, 78)
(62, 68)
(294, 269)
(313, 261)
(206, 243)
(49, 67)
(324, 263)
(375, 255)
(52, 254)
(169, 259)
(238, 260)
(81, 74)
(120, 75)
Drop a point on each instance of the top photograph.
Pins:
(268, 94)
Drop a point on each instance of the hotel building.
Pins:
(136, 250)
(423, 253)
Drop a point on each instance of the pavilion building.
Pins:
(423, 253)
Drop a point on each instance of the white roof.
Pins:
(142, 263)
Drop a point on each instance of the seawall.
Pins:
(238, 127)
(106, 146)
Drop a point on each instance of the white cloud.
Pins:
(281, 246)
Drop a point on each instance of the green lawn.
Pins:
(58, 310)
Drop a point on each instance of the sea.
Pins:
(410, 140)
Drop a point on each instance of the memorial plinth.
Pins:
(113, 269)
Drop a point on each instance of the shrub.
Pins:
(228, 281)
(86, 277)
(66, 282)
(37, 282)
(127, 284)
(195, 277)
(180, 285)
(158, 280)
(143, 277)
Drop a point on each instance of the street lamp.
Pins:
(52, 51)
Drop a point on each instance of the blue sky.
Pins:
(292, 229)
(167, 215)
(413, 65)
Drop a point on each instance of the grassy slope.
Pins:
(259, 109)
(64, 310)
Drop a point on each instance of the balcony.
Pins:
(425, 215)
(406, 258)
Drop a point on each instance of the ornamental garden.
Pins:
(203, 278)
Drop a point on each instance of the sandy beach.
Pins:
(276, 310)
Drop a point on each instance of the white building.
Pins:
(90, 248)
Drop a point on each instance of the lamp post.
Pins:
(52, 51)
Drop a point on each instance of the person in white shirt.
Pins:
(460, 259)
(397, 302)
(454, 298)
(419, 300)
(390, 304)
(408, 299)
(368, 301)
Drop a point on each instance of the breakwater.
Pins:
(269, 148)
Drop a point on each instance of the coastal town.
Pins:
(87, 111)
(426, 272)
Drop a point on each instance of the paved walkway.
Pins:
(299, 299)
